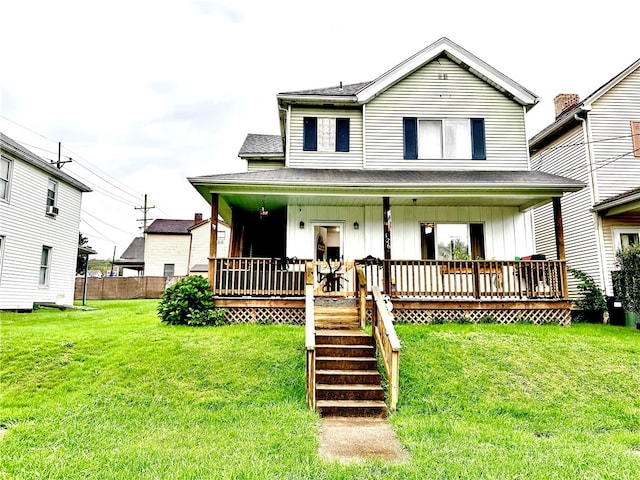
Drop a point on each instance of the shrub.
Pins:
(591, 302)
(190, 302)
(628, 279)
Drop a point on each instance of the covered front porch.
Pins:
(440, 245)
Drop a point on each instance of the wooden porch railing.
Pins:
(475, 279)
(436, 279)
(388, 344)
(258, 276)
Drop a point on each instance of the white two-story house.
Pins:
(39, 227)
(597, 141)
(421, 175)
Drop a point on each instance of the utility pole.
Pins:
(144, 209)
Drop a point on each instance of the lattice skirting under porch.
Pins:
(560, 316)
(265, 315)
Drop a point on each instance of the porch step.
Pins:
(353, 377)
(343, 337)
(324, 350)
(346, 363)
(336, 317)
(352, 408)
(353, 391)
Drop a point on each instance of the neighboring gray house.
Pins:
(39, 227)
(597, 141)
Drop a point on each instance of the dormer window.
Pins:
(325, 134)
(448, 138)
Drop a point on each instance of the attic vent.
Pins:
(442, 76)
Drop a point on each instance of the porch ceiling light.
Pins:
(263, 212)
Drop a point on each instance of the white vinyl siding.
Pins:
(426, 94)
(567, 156)
(325, 159)
(259, 165)
(160, 249)
(617, 169)
(508, 232)
(26, 229)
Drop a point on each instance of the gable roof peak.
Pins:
(462, 57)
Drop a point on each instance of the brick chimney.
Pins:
(197, 219)
(565, 102)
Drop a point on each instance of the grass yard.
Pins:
(115, 394)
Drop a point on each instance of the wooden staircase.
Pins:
(347, 377)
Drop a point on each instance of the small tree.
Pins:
(628, 278)
(591, 302)
(190, 302)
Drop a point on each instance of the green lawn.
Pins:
(115, 394)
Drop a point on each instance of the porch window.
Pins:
(454, 138)
(323, 134)
(452, 241)
(5, 178)
(625, 237)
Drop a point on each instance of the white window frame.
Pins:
(52, 202)
(3, 241)
(173, 269)
(326, 134)
(221, 236)
(6, 182)
(617, 231)
(463, 149)
(45, 268)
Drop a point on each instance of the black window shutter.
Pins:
(310, 134)
(410, 126)
(342, 134)
(479, 150)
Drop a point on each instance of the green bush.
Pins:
(190, 302)
(591, 303)
(628, 278)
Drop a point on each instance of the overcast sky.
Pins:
(143, 94)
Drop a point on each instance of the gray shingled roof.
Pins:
(344, 90)
(257, 144)
(392, 178)
(134, 252)
(14, 148)
(620, 199)
(170, 226)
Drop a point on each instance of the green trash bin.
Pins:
(632, 319)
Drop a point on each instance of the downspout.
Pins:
(599, 230)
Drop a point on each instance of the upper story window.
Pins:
(52, 197)
(5, 178)
(635, 138)
(321, 134)
(52, 193)
(449, 138)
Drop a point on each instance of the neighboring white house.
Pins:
(173, 248)
(39, 228)
(597, 141)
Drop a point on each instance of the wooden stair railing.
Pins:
(388, 344)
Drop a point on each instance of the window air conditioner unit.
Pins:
(51, 210)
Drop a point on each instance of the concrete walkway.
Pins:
(353, 440)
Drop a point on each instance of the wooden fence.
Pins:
(123, 288)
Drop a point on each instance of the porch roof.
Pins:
(305, 186)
